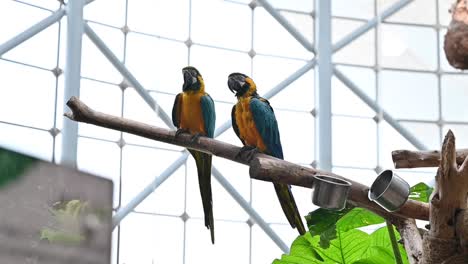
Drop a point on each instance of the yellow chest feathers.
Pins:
(247, 129)
(191, 113)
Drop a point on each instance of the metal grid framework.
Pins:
(355, 128)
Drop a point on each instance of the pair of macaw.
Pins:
(253, 121)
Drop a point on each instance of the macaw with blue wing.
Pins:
(194, 112)
(254, 122)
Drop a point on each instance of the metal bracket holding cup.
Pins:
(389, 191)
(330, 192)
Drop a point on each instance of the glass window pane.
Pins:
(268, 72)
(264, 250)
(296, 5)
(298, 96)
(165, 18)
(411, 13)
(454, 97)
(224, 206)
(266, 203)
(359, 51)
(140, 166)
(40, 50)
(354, 142)
(232, 28)
(286, 232)
(390, 140)
(345, 102)
(281, 43)
(409, 95)
(27, 92)
(135, 108)
(302, 22)
(408, 47)
(102, 159)
(92, 93)
(444, 15)
(31, 142)
(226, 249)
(110, 12)
(297, 135)
(364, 176)
(156, 63)
(355, 9)
(52, 5)
(215, 65)
(11, 11)
(151, 239)
(428, 134)
(94, 64)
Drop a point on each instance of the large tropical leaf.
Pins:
(325, 223)
(421, 192)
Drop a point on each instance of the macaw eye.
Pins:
(193, 72)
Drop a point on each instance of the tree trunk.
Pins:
(447, 208)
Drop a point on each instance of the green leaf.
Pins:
(12, 165)
(380, 238)
(377, 255)
(358, 217)
(351, 247)
(302, 252)
(287, 259)
(420, 192)
(347, 248)
(324, 222)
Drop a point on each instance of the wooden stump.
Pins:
(447, 209)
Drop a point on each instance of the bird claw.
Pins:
(195, 137)
(249, 152)
(181, 131)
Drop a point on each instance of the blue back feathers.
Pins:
(209, 114)
(267, 126)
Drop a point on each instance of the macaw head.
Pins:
(241, 84)
(193, 80)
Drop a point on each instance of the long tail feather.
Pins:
(203, 162)
(289, 206)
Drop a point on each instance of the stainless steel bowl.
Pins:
(330, 192)
(389, 191)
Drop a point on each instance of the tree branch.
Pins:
(262, 167)
(411, 239)
(419, 159)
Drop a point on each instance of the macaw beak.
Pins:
(189, 80)
(235, 85)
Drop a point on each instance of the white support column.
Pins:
(323, 74)
(72, 78)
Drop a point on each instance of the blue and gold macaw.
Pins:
(194, 112)
(255, 124)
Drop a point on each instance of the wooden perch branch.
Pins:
(419, 159)
(412, 239)
(262, 167)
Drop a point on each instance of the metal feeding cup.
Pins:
(389, 191)
(330, 192)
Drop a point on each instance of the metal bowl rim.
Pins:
(386, 188)
(323, 178)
